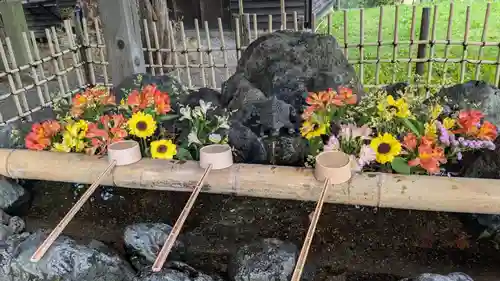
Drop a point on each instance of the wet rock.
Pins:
(143, 242)
(4, 217)
(12, 195)
(455, 276)
(474, 94)
(177, 271)
(65, 260)
(17, 224)
(269, 89)
(266, 260)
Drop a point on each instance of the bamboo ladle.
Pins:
(119, 154)
(332, 167)
(212, 157)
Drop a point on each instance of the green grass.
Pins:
(390, 72)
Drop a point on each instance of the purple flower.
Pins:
(444, 136)
(476, 144)
(459, 156)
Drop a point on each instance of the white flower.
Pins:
(185, 113)
(197, 113)
(205, 106)
(366, 155)
(193, 138)
(332, 144)
(222, 122)
(215, 138)
(351, 131)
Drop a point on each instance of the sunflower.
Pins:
(312, 129)
(141, 125)
(386, 147)
(163, 149)
(391, 107)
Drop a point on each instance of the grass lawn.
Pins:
(390, 72)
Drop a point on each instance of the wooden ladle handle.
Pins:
(44, 247)
(169, 243)
(301, 261)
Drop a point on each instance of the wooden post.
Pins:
(122, 35)
(14, 22)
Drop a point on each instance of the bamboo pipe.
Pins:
(369, 189)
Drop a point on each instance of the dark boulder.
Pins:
(269, 88)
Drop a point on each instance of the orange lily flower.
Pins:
(410, 141)
(430, 156)
(487, 131)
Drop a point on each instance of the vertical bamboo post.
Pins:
(361, 45)
(395, 44)
(412, 39)
(379, 43)
(463, 64)
(483, 40)
(432, 45)
(447, 44)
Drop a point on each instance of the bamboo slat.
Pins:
(369, 189)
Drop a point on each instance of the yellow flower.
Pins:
(398, 108)
(61, 147)
(448, 123)
(312, 129)
(430, 130)
(436, 111)
(386, 147)
(163, 149)
(77, 129)
(141, 125)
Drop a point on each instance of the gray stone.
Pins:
(455, 276)
(16, 224)
(10, 193)
(65, 260)
(265, 260)
(474, 94)
(269, 88)
(177, 271)
(143, 242)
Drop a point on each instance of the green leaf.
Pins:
(168, 117)
(183, 154)
(400, 166)
(411, 126)
(420, 126)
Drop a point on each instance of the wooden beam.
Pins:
(14, 23)
(430, 193)
(122, 34)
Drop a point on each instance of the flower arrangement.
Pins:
(405, 133)
(402, 134)
(93, 121)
